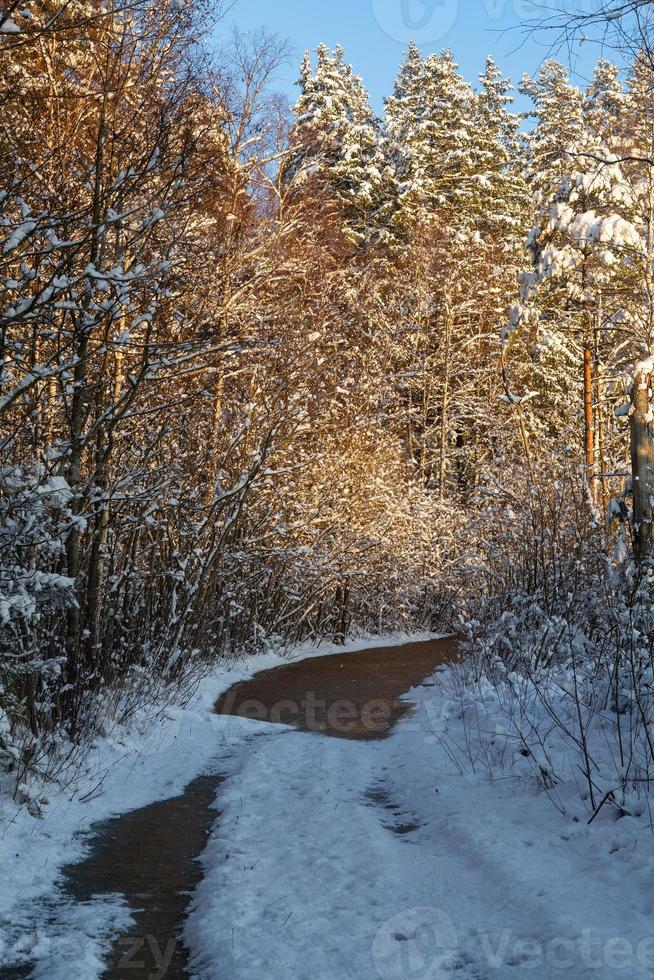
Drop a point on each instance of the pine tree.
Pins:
(502, 196)
(430, 124)
(337, 140)
(558, 109)
(635, 141)
(605, 103)
(462, 208)
(586, 235)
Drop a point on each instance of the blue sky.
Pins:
(375, 33)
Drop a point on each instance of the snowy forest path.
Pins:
(356, 696)
(149, 856)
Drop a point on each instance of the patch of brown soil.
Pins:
(356, 695)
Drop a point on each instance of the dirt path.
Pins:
(356, 695)
(150, 855)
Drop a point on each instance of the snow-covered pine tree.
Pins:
(605, 104)
(503, 216)
(585, 239)
(336, 139)
(461, 211)
(634, 145)
(426, 120)
(431, 134)
(502, 197)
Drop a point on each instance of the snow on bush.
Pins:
(557, 677)
(34, 522)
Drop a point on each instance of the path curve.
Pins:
(150, 855)
(350, 695)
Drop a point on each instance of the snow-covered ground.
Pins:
(154, 758)
(335, 859)
(370, 860)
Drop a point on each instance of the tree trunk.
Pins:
(603, 488)
(342, 608)
(517, 405)
(589, 428)
(642, 461)
(445, 401)
(214, 443)
(600, 441)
